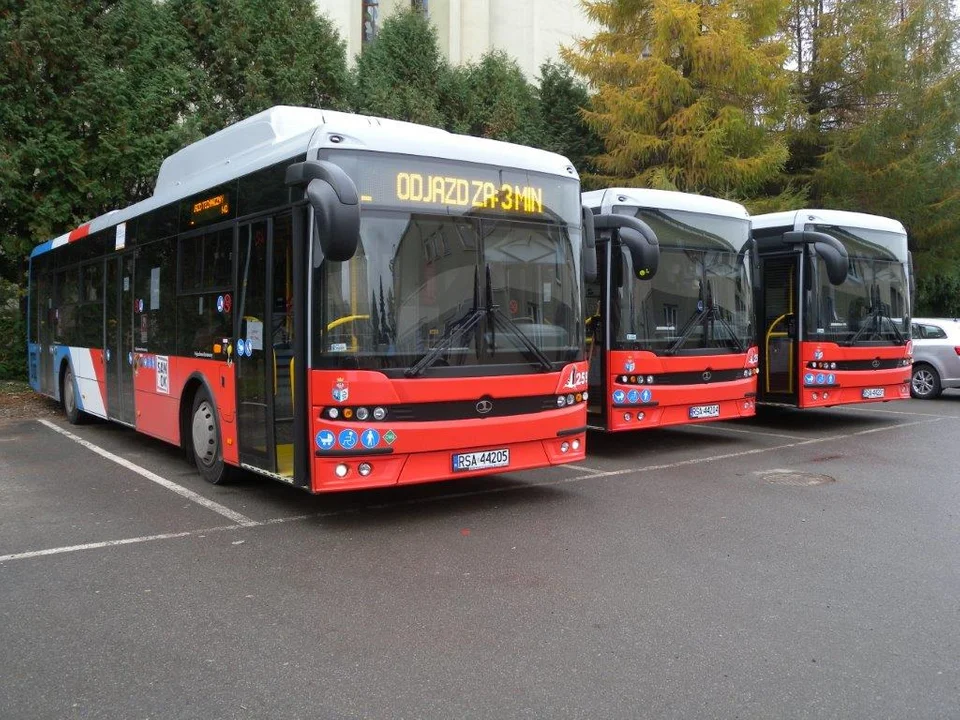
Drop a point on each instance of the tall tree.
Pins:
(254, 54)
(400, 72)
(686, 92)
(562, 99)
(85, 124)
(894, 150)
(500, 103)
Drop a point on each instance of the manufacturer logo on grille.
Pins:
(707, 375)
(876, 363)
(484, 406)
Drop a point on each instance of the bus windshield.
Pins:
(872, 305)
(699, 301)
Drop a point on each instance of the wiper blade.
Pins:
(462, 326)
(496, 314)
(874, 323)
(687, 331)
(738, 346)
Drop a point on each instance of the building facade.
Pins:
(531, 31)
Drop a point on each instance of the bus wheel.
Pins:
(69, 395)
(205, 433)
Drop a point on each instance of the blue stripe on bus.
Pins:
(42, 248)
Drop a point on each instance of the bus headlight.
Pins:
(365, 469)
(379, 413)
(341, 470)
(564, 446)
(561, 401)
(362, 413)
(575, 444)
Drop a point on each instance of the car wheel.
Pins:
(205, 434)
(925, 382)
(69, 395)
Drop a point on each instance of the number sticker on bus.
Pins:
(481, 460)
(698, 412)
(872, 393)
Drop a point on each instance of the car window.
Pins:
(932, 332)
(915, 332)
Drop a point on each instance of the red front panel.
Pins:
(825, 380)
(405, 451)
(633, 402)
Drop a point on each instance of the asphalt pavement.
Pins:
(795, 565)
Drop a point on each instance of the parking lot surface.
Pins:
(797, 565)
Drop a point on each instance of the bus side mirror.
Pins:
(831, 250)
(639, 239)
(589, 246)
(335, 203)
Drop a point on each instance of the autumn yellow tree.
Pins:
(687, 93)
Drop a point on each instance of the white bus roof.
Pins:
(797, 219)
(285, 132)
(606, 199)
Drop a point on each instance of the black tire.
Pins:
(205, 441)
(925, 382)
(68, 397)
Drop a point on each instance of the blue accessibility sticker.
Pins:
(633, 396)
(821, 378)
(619, 396)
(831, 379)
(370, 438)
(808, 379)
(348, 439)
(645, 396)
(220, 303)
(325, 440)
(240, 348)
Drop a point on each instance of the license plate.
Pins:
(481, 460)
(872, 393)
(704, 411)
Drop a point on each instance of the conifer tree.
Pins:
(562, 99)
(686, 92)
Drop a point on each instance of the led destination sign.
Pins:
(210, 208)
(420, 184)
(468, 193)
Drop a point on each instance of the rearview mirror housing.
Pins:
(830, 250)
(336, 206)
(639, 239)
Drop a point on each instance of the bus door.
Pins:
(118, 355)
(264, 345)
(597, 312)
(779, 347)
(42, 298)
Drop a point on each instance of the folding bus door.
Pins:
(779, 347)
(264, 345)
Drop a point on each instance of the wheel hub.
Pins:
(205, 434)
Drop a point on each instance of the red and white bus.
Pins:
(330, 300)
(833, 308)
(670, 311)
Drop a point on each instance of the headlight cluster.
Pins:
(350, 413)
(635, 379)
(822, 365)
(571, 399)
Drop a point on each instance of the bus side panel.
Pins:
(33, 365)
(89, 376)
(156, 402)
(219, 378)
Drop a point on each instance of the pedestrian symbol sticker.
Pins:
(370, 438)
(645, 396)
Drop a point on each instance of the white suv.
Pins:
(936, 356)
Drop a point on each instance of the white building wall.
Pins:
(531, 31)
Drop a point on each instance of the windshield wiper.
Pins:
(465, 324)
(692, 322)
(496, 314)
(874, 323)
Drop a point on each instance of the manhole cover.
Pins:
(794, 478)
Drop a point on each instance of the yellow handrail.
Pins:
(344, 320)
(766, 343)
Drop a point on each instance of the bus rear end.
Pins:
(675, 346)
(833, 306)
(451, 343)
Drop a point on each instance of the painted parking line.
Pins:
(216, 507)
(741, 431)
(895, 412)
(594, 475)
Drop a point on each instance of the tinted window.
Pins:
(206, 261)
